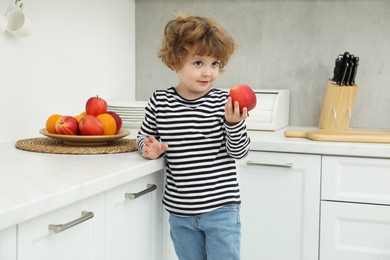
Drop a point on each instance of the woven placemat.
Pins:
(49, 145)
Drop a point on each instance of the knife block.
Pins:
(337, 105)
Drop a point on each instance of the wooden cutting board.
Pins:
(361, 136)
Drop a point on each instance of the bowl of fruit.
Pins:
(95, 126)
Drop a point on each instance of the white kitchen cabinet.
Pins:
(83, 241)
(8, 243)
(355, 209)
(134, 226)
(280, 206)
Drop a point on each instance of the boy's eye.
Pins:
(215, 64)
(198, 63)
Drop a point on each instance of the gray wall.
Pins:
(284, 44)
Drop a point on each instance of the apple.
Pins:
(95, 106)
(67, 125)
(244, 95)
(118, 120)
(91, 125)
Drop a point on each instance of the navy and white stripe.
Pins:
(201, 170)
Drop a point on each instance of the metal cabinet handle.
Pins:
(85, 215)
(281, 165)
(133, 196)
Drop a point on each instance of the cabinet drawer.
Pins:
(356, 179)
(81, 241)
(354, 231)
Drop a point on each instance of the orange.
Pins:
(78, 117)
(109, 123)
(51, 123)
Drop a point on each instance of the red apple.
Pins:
(244, 95)
(91, 125)
(118, 120)
(67, 125)
(96, 106)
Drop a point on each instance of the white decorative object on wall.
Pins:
(18, 22)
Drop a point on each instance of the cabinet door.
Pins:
(8, 244)
(280, 206)
(82, 241)
(354, 231)
(134, 226)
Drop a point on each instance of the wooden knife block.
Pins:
(337, 105)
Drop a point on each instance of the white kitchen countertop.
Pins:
(32, 184)
(275, 141)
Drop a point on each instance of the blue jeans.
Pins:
(210, 236)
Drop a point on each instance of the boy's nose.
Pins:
(205, 73)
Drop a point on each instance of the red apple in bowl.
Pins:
(244, 95)
(67, 125)
(96, 106)
(90, 125)
(118, 120)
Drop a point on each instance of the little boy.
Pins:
(200, 132)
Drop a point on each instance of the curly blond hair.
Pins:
(188, 34)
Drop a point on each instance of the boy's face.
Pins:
(197, 76)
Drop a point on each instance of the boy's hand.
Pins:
(232, 112)
(152, 148)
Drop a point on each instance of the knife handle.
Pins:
(354, 71)
(349, 70)
(344, 69)
(338, 68)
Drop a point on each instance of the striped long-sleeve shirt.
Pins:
(201, 169)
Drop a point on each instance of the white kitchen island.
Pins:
(35, 185)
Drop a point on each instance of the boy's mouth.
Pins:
(203, 81)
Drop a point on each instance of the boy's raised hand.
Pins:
(152, 148)
(233, 114)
